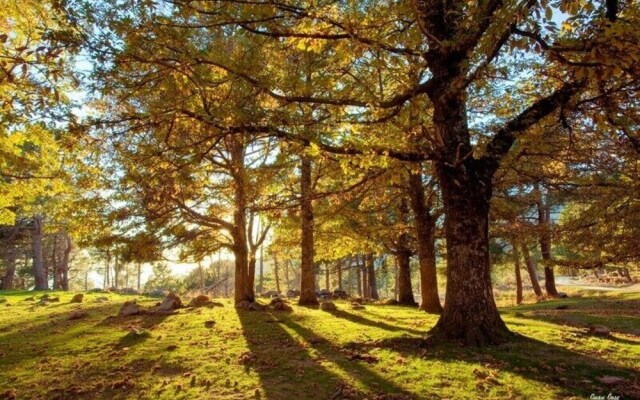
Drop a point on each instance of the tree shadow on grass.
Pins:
(360, 320)
(290, 368)
(570, 372)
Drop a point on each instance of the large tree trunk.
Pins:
(544, 219)
(39, 274)
(371, 277)
(532, 270)
(10, 270)
(307, 271)
(425, 226)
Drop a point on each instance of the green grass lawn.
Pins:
(376, 353)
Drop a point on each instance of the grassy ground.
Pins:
(376, 353)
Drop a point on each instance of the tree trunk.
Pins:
(286, 275)
(242, 289)
(251, 280)
(358, 278)
(106, 269)
(261, 282)
(470, 313)
(516, 256)
(65, 261)
(339, 271)
(38, 263)
(275, 273)
(425, 226)
(327, 277)
(371, 277)
(307, 271)
(116, 272)
(139, 273)
(405, 291)
(10, 271)
(544, 219)
(532, 270)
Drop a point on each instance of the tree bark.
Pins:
(425, 226)
(139, 273)
(275, 272)
(307, 271)
(10, 271)
(516, 256)
(358, 278)
(371, 275)
(242, 289)
(261, 282)
(531, 269)
(65, 260)
(251, 280)
(286, 275)
(38, 263)
(405, 291)
(544, 219)
(327, 277)
(339, 271)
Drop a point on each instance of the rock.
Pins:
(611, 380)
(243, 304)
(276, 300)
(599, 330)
(77, 315)
(340, 294)
(293, 293)
(390, 302)
(255, 307)
(562, 295)
(358, 300)
(328, 306)
(53, 299)
(357, 306)
(129, 308)
(280, 305)
(102, 299)
(130, 291)
(209, 324)
(96, 290)
(154, 293)
(77, 298)
(170, 303)
(270, 294)
(200, 301)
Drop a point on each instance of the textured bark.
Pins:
(405, 291)
(242, 291)
(371, 275)
(531, 270)
(139, 274)
(10, 270)
(38, 261)
(339, 271)
(327, 277)
(307, 271)
(261, 278)
(252, 272)
(365, 278)
(287, 282)
(425, 226)
(544, 219)
(106, 269)
(358, 278)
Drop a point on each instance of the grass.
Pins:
(376, 353)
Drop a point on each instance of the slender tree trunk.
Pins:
(425, 226)
(544, 219)
(54, 263)
(66, 260)
(38, 262)
(327, 277)
(516, 256)
(243, 289)
(396, 273)
(106, 269)
(86, 280)
(405, 291)
(139, 273)
(307, 278)
(531, 269)
(339, 270)
(287, 282)
(262, 270)
(252, 271)
(116, 272)
(371, 274)
(358, 278)
(276, 274)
